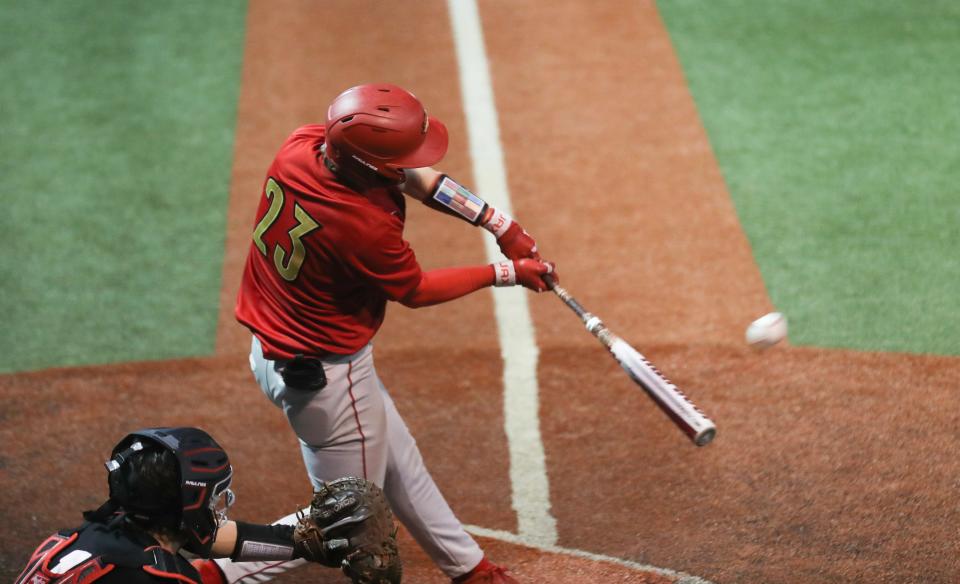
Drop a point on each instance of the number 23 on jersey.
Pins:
(288, 268)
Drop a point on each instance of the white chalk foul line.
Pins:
(528, 469)
(536, 526)
(680, 577)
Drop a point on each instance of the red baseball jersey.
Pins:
(324, 259)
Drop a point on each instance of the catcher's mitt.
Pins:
(350, 526)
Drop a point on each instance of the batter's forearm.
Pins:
(443, 285)
(439, 191)
(420, 182)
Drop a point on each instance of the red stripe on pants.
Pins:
(356, 415)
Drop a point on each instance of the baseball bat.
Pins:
(697, 426)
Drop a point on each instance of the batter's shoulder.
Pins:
(310, 131)
(303, 139)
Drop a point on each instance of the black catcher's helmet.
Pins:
(204, 476)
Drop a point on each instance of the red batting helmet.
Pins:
(383, 128)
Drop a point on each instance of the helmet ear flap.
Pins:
(352, 171)
(332, 153)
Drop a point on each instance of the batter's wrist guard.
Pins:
(456, 198)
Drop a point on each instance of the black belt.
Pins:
(302, 373)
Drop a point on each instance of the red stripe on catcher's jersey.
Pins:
(171, 575)
(38, 572)
(356, 415)
(40, 560)
(90, 571)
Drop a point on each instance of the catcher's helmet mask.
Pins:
(204, 475)
(383, 129)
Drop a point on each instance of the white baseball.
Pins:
(766, 331)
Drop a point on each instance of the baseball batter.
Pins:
(327, 254)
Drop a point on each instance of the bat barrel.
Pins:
(700, 429)
(705, 436)
(665, 394)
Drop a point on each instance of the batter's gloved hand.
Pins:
(514, 241)
(350, 526)
(527, 272)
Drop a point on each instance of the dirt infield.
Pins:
(829, 466)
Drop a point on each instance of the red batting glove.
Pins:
(527, 272)
(514, 241)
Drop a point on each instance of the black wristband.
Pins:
(258, 543)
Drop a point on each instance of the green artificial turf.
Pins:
(117, 135)
(837, 127)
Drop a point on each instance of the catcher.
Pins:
(169, 494)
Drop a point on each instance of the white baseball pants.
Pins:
(352, 428)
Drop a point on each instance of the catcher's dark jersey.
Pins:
(324, 259)
(114, 553)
